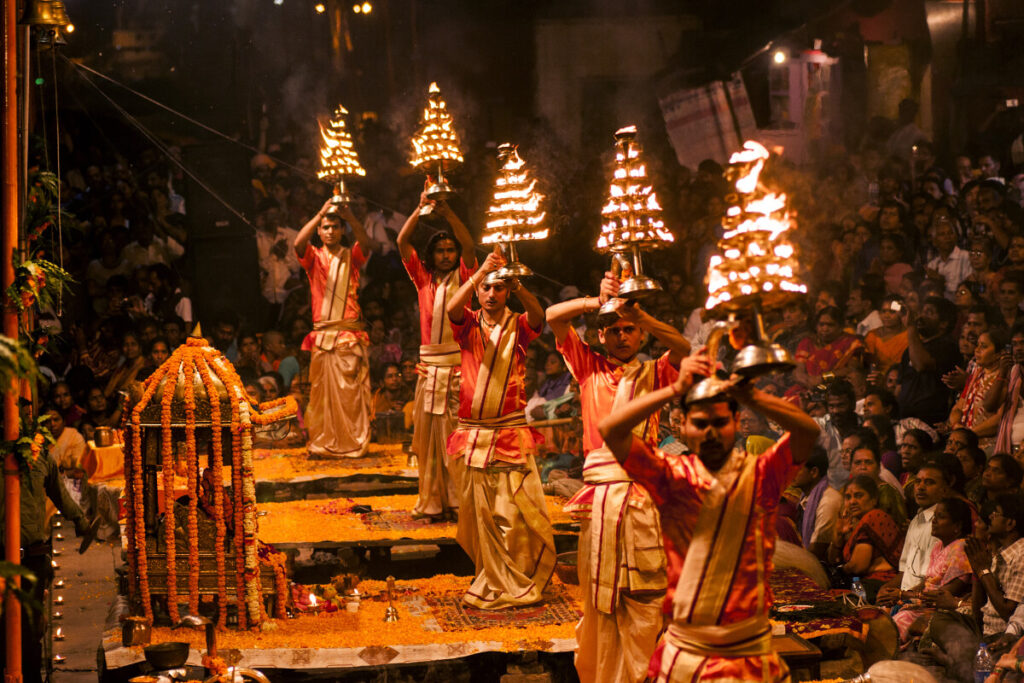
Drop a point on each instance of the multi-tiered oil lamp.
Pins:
(436, 145)
(514, 214)
(756, 266)
(631, 219)
(338, 158)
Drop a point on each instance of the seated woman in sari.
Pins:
(830, 350)
(948, 578)
(867, 542)
(969, 410)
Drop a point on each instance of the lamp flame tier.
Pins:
(515, 213)
(436, 144)
(756, 266)
(631, 219)
(756, 263)
(338, 158)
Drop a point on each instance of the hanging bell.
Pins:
(44, 13)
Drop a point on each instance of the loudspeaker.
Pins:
(224, 264)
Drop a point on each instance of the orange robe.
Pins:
(503, 521)
(719, 533)
(338, 413)
(437, 388)
(621, 557)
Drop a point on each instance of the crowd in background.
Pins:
(909, 347)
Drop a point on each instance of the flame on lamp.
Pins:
(514, 214)
(338, 157)
(632, 214)
(436, 139)
(755, 254)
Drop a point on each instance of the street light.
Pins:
(320, 8)
(779, 57)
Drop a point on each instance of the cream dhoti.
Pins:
(503, 523)
(622, 571)
(434, 419)
(338, 414)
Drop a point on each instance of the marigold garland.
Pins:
(167, 456)
(192, 469)
(248, 499)
(236, 507)
(217, 451)
(196, 357)
(138, 529)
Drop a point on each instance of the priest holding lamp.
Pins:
(503, 521)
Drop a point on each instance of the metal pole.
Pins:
(8, 244)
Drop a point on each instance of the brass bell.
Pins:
(44, 13)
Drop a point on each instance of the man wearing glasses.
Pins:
(621, 558)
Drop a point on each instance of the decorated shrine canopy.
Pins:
(515, 213)
(338, 158)
(196, 402)
(436, 140)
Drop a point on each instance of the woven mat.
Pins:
(402, 520)
(454, 615)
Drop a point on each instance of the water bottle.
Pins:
(857, 588)
(983, 664)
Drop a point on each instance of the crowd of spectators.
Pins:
(909, 350)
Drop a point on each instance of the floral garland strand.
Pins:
(192, 467)
(170, 522)
(278, 409)
(277, 562)
(139, 531)
(130, 494)
(236, 496)
(253, 591)
(216, 448)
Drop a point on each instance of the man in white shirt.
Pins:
(149, 248)
(933, 484)
(862, 310)
(279, 267)
(953, 264)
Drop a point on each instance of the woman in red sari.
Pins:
(969, 410)
(830, 350)
(867, 543)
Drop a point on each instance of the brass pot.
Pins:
(104, 437)
(135, 631)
